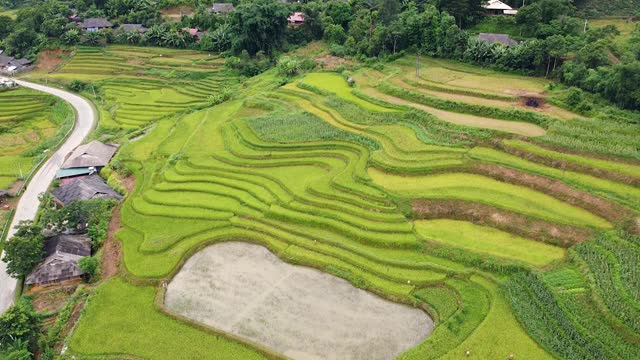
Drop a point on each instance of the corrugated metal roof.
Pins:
(63, 254)
(94, 154)
(503, 39)
(496, 5)
(63, 173)
(85, 188)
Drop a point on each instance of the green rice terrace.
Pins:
(30, 123)
(471, 195)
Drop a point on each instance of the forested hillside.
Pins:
(597, 8)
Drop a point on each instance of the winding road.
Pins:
(28, 204)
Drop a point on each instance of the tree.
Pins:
(71, 37)
(19, 326)
(288, 66)
(464, 11)
(155, 34)
(259, 26)
(335, 34)
(93, 38)
(24, 250)
(634, 42)
(22, 42)
(556, 47)
(89, 265)
(6, 26)
(218, 40)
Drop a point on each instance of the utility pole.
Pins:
(94, 91)
(585, 25)
(20, 168)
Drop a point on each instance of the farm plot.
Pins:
(324, 175)
(239, 287)
(30, 122)
(137, 86)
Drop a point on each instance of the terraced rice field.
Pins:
(394, 200)
(137, 86)
(30, 122)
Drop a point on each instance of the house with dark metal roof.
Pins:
(95, 24)
(503, 39)
(222, 8)
(11, 65)
(82, 189)
(63, 253)
(133, 27)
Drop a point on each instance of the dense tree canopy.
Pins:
(554, 42)
(259, 26)
(24, 250)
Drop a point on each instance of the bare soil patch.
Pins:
(49, 60)
(545, 231)
(112, 254)
(52, 300)
(330, 62)
(175, 13)
(303, 313)
(71, 323)
(13, 190)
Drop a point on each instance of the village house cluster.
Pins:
(10, 66)
(79, 181)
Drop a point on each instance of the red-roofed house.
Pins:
(296, 19)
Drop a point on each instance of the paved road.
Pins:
(28, 205)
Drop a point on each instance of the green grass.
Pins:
(487, 240)
(488, 191)
(336, 84)
(135, 327)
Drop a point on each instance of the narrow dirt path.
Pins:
(86, 118)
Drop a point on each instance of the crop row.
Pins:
(607, 274)
(464, 108)
(537, 309)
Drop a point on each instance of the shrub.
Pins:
(71, 37)
(77, 86)
(288, 66)
(89, 265)
(19, 327)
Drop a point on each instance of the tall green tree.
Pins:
(24, 250)
(259, 26)
(19, 327)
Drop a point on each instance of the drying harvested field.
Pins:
(240, 288)
(496, 232)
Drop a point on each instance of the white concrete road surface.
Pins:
(28, 204)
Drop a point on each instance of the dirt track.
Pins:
(301, 312)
